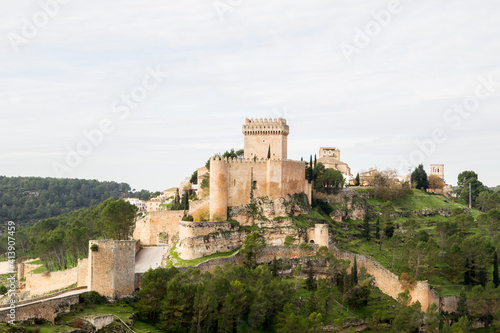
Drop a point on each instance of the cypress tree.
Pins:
(377, 229)
(366, 230)
(467, 278)
(274, 267)
(357, 179)
(315, 160)
(496, 280)
(462, 310)
(354, 272)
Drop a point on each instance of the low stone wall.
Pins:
(148, 228)
(38, 284)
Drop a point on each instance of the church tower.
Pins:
(264, 137)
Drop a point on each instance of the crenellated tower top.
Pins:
(264, 137)
(265, 126)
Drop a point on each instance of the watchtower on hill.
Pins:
(266, 135)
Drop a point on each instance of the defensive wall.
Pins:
(148, 228)
(389, 282)
(47, 307)
(215, 240)
(111, 268)
(42, 283)
(24, 268)
(233, 181)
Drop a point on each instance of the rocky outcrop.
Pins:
(264, 208)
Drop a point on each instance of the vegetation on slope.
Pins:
(26, 200)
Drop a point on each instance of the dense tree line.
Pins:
(60, 241)
(258, 299)
(26, 200)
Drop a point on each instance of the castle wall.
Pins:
(112, 266)
(83, 272)
(163, 221)
(389, 283)
(38, 284)
(23, 269)
(189, 229)
(223, 241)
(231, 182)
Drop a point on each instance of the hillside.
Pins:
(427, 236)
(26, 200)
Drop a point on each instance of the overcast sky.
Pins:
(385, 81)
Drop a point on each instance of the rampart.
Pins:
(42, 308)
(148, 228)
(189, 229)
(389, 282)
(24, 268)
(225, 241)
(42, 283)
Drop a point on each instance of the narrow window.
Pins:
(254, 185)
(234, 182)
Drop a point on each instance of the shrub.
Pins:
(94, 247)
(92, 297)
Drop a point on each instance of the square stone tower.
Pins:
(262, 135)
(112, 268)
(438, 170)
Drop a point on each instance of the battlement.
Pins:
(226, 160)
(265, 126)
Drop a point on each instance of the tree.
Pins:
(365, 233)
(118, 218)
(435, 182)
(464, 179)
(462, 310)
(194, 178)
(419, 178)
(328, 180)
(253, 245)
(496, 280)
(356, 181)
(354, 272)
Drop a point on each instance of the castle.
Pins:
(264, 171)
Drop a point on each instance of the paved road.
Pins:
(149, 257)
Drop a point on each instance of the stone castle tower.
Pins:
(262, 135)
(438, 170)
(233, 182)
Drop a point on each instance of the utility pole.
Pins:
(470, 196)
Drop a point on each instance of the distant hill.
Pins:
(27, 200)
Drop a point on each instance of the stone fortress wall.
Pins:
(218, 238)
(233, 181)
(148, 228)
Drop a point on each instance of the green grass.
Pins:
(193, 262)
